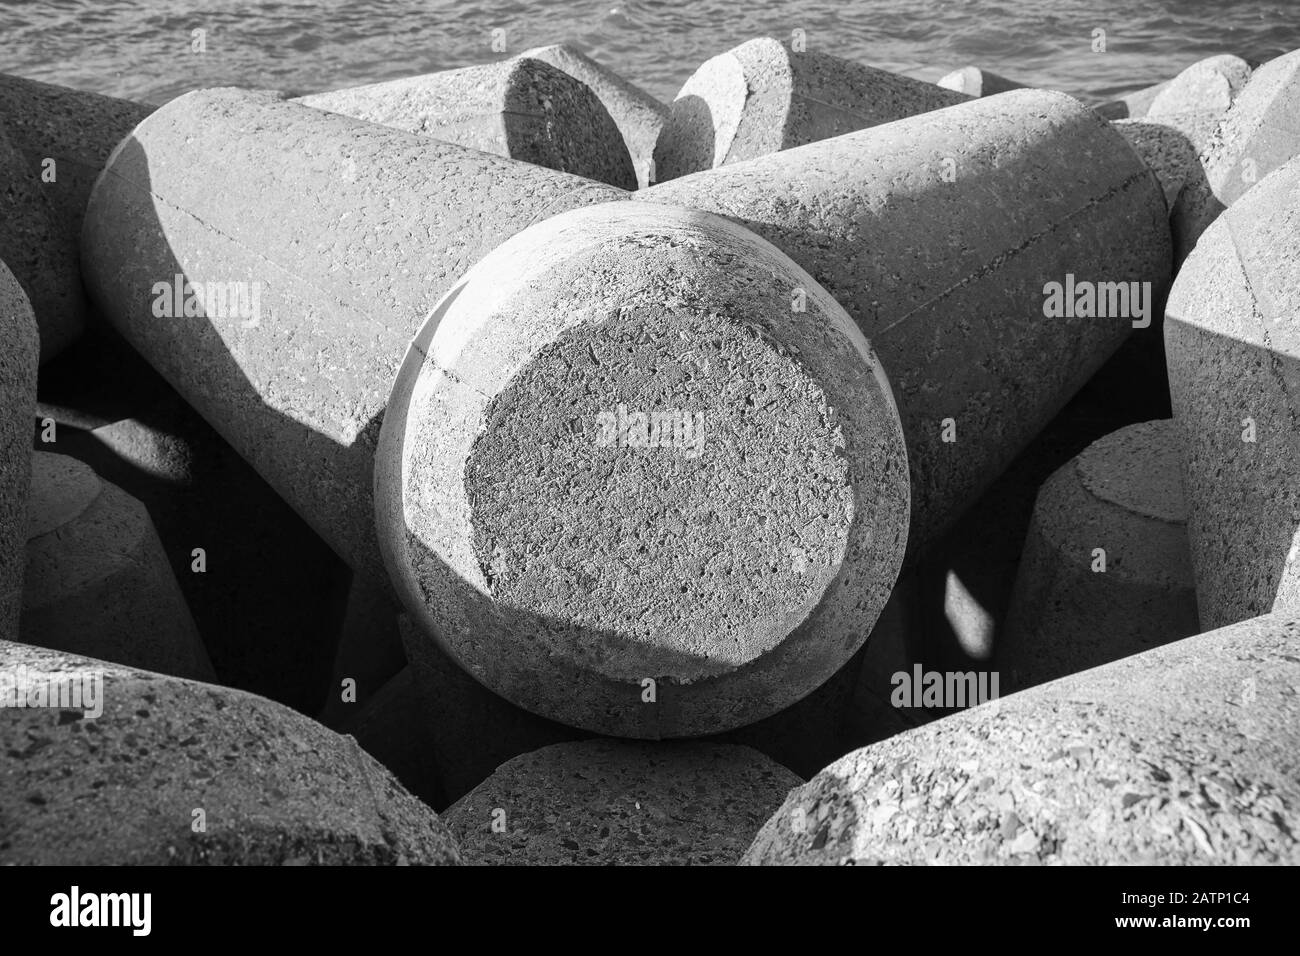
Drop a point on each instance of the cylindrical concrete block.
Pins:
(761, 97)
(1185, 754)
(629, 489)
(522, 108)
(369, 651)
(1106, 570)
(111, 766)
(98, 582)
(941, 235)
(272, 262)
(1133, 105)
(42, 255)
(18, 360)
(1207, 86)
(638, 114)
(973, 81)
(1232, 337)
(605, 802)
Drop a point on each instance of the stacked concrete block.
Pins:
(522, 108)
(954, 239)
(1133, 105)
(1207, 86)
(97, 581)
(638, 114)
(33, 245)
(604, 802)
(761, 97)
(19, 356)
(628, 488)
(973, 81)
(1106, 569)
(1185, 754)
(1232, 335)
(109, 765)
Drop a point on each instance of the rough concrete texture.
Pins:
(1124, 495)
(973, 81)
(603, 802)
(369, 650)
(97, 581)
(39, 251)
(18, 361)
(274, 787)
(1259, 133)
(734, 554)
(1185, 754)
(348, 233)
(269, 594)
(522, 108)
(1232, 336)
(761, 97)
(1207, 86)
(638, 114)
(938, 234)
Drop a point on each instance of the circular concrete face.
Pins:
(62, 489)
(616, 459)
(1138, 468)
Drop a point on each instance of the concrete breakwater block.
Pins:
(1133, 105)
(369, 650)
(623, 484)
(272, 262)
(974, 246)
(1185, 754)
(394, 726)
(98, 582)
(974, 81)
(18, 360)
(602, 802)
(109, 765)
(761, 97)
(1232, 337)
(1207, 86)
(1106, 569)
(522, 108)
(638, 114)
(40, 253)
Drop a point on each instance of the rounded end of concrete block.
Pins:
(62, 489)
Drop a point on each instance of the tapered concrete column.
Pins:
(41, 255)
(1106, 570)
(522, 108)
(318, 244)
(98, 582)
(18, 360)
(973, 81)
(1232, 337)
(638, 114)
(627, 487)
(1185, 754)
(955, 239)
(603, 802)
(761, 97)
(141, 768)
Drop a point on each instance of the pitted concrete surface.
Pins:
(522, 108)
(563, 566)
(1124, 495)
(18, 361)
(1232, 337)
(275, 787)
(938, 233)
(761, 97)
(1186, 754)
(349, 232)
(603, 802)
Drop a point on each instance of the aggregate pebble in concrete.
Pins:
(638, 114)
(602, 802)
(564, 563)
(39, 252)
(18, 361)
(97, 580)
(1185, 754)
(938, 234)
(348, 232)
(974, 81)
(1232, 337)
(761, 97)
(122, 788)
(522, 108)
(1124, 495)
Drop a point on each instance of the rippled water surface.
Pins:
(142, 49)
